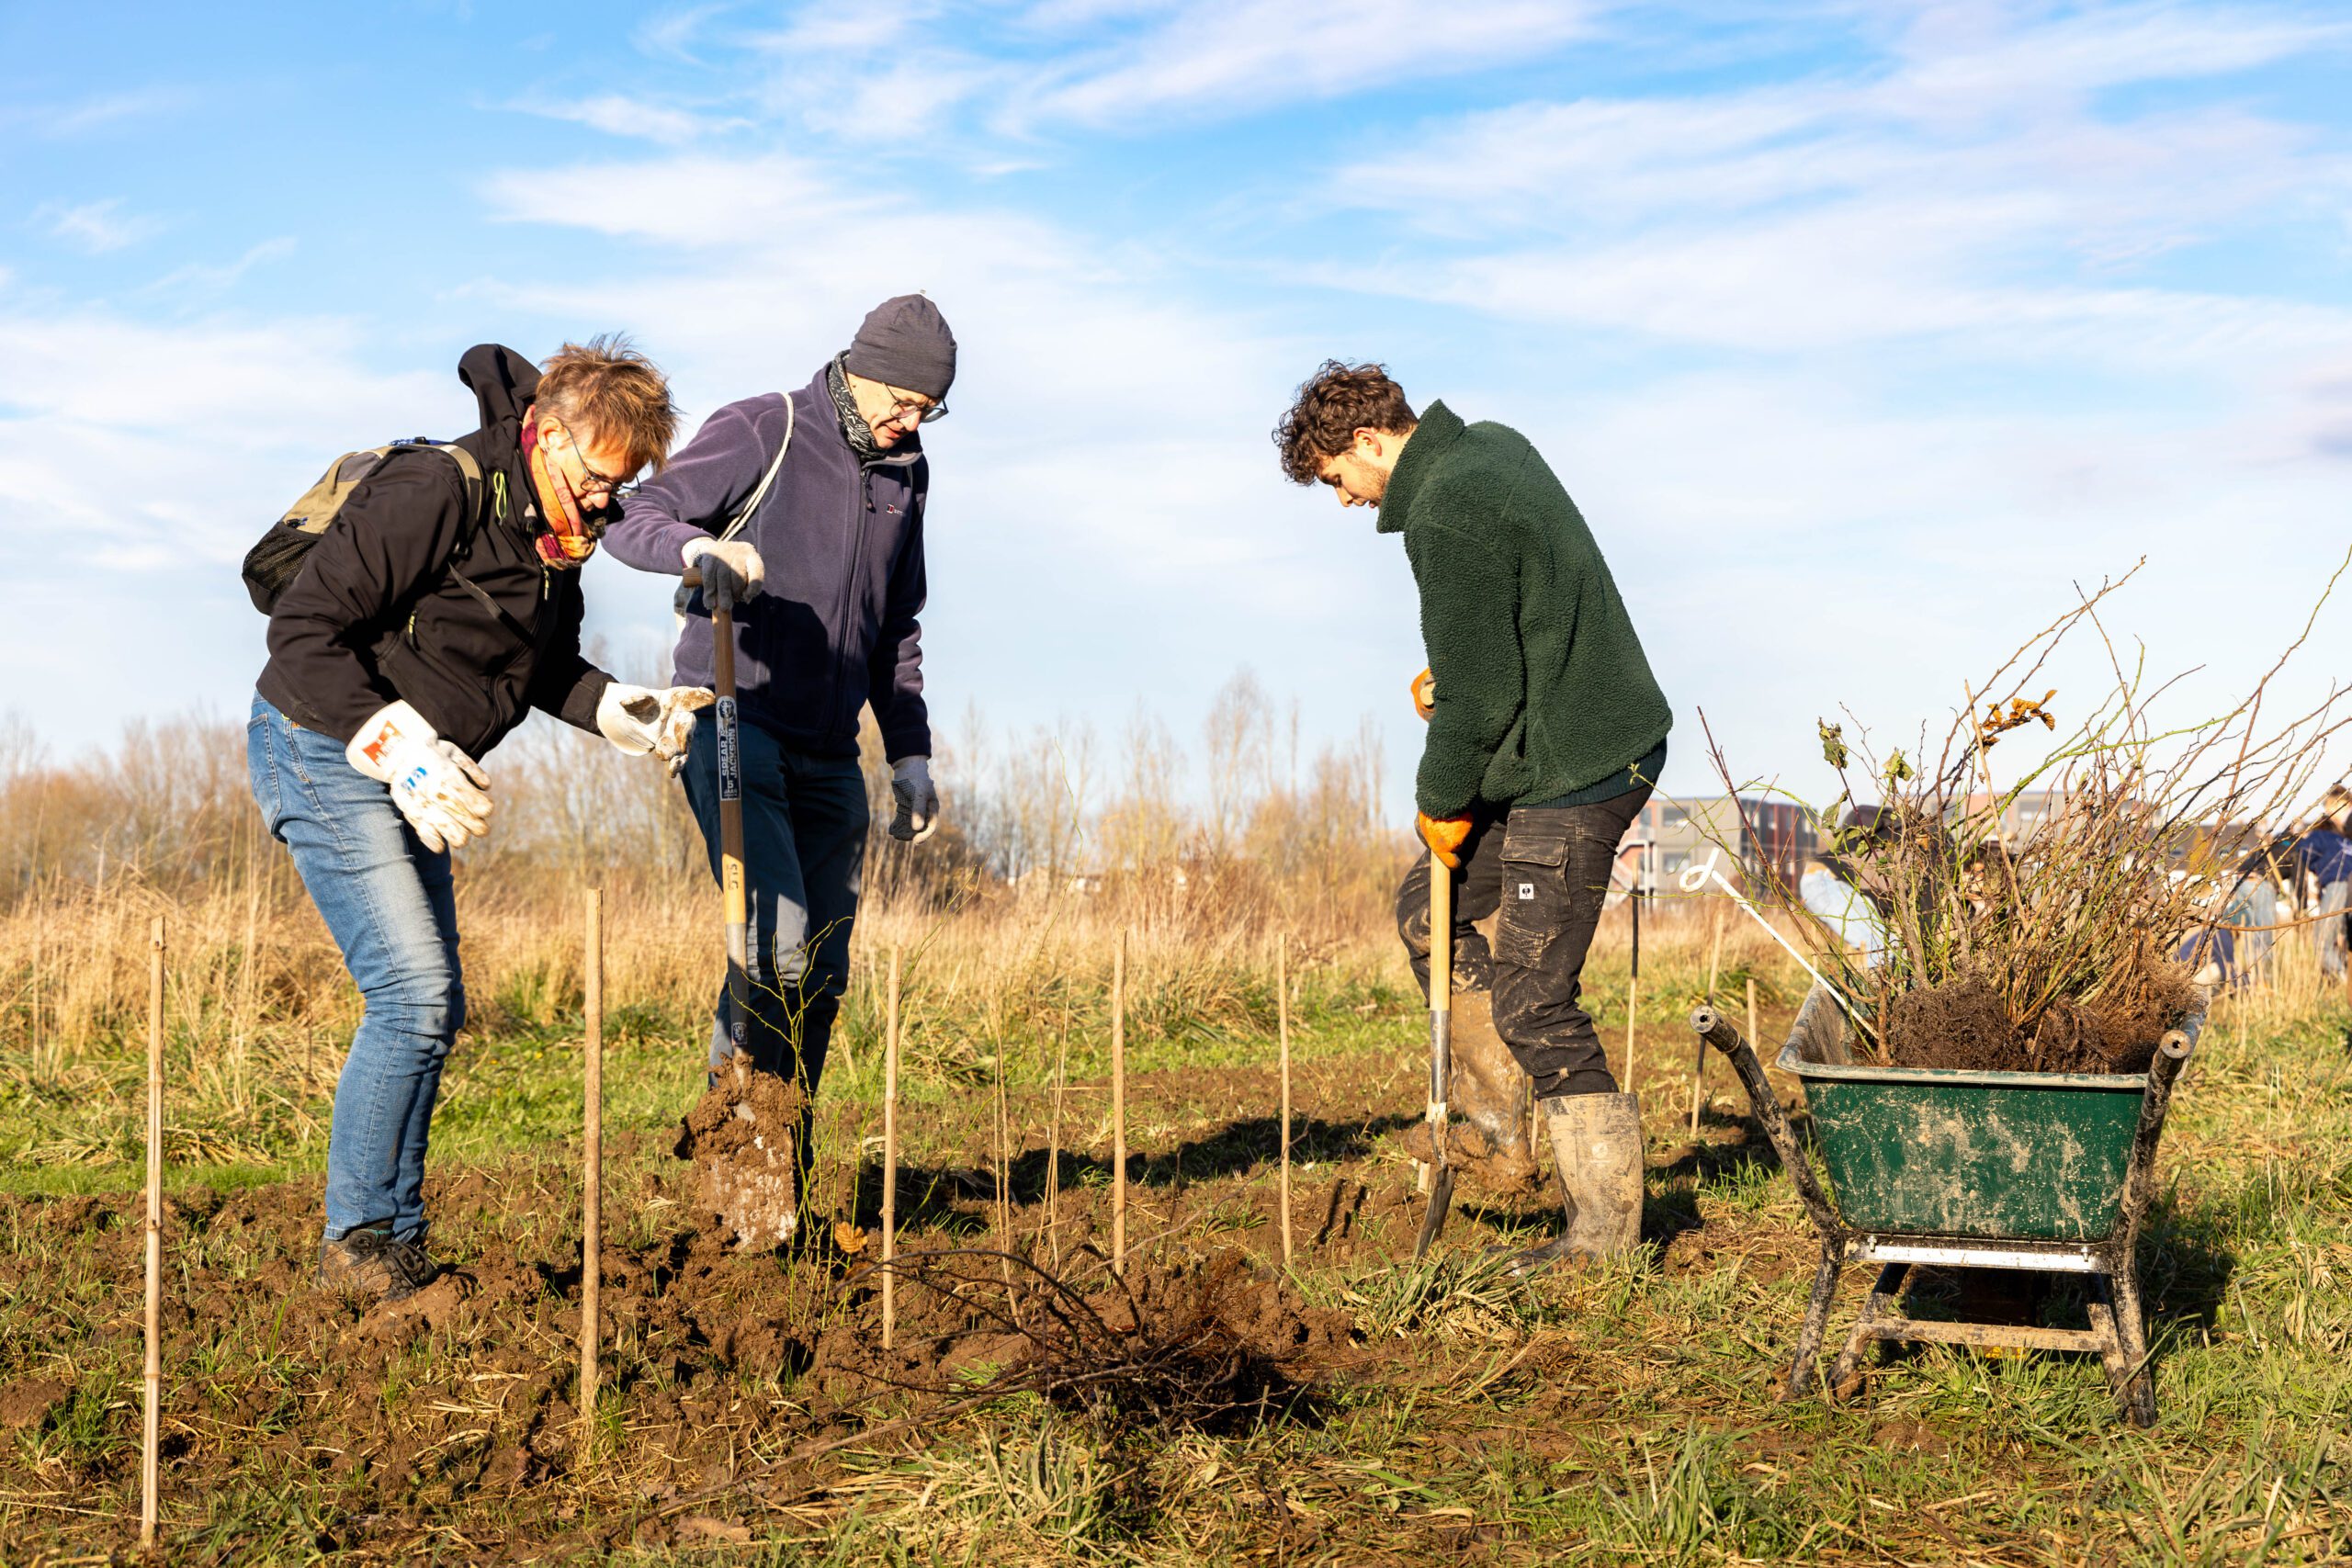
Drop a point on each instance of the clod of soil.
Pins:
(1472, 1154)
(30, 1402)
(1965, 1024)
(743, 1136)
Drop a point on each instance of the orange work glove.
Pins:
(1443, 835)
(1424, 690)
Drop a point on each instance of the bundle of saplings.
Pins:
(2027, 887)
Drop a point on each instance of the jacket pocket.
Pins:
(1534, 905)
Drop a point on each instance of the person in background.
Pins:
(1830, 888)
(2323, 858)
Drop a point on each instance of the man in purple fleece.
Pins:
(803, 512)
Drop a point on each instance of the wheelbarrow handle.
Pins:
(2164, 1070)
(1724, 1036)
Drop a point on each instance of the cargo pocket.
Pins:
(1534, 892)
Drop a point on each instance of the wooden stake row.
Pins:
(153, 1401)
(1282, 1027)
(592, 1155)
(1119, 1105)
(891, 1158)
(592, 1160)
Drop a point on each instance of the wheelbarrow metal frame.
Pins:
(2118, 1327)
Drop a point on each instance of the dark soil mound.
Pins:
(1965, 1024)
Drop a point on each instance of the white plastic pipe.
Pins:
(1694, 879)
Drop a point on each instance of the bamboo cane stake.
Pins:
(592, 1155)
(1699, 1067)
(1054, 1147)
(152, 1412)
(890, 1155)
(1282, 1024)
(1119, 1104)
(1751, 1009)
(1632, 984)
(1003, 1139)
(242, 1056)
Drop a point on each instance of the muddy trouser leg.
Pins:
(1555, 877)
(1555, 866)
(1488, 1092)
(1476, 887)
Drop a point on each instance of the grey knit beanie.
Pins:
(905, 342)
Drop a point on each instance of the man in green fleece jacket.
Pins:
(1546, 732)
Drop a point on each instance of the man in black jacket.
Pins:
(430, 618)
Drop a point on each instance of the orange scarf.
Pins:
(570, 538)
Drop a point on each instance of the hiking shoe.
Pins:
(371, 1263)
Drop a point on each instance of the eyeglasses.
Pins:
(614, 488)
(907, 403)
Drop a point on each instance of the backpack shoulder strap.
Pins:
(469, 482)
(751, 503)
(470, 478)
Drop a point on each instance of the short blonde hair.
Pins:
(606, 390)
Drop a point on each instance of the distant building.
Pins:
(2028, 813)
(1763, 836)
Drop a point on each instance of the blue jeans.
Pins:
(804, 849)
(390, 905)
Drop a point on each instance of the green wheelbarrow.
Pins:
(2039, 1172)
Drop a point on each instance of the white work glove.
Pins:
(638, 719)
(442, 792)
(917, 813)
(731, 570)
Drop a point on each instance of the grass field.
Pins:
(1354, 1409)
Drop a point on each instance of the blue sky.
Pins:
(1860, 330)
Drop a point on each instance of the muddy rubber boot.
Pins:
(1490, 1094)
(368, 1262)
(1597, 1144)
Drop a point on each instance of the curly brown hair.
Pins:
(1331, 406)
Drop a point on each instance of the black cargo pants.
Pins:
(1545, 870)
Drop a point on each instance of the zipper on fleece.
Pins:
(860, 504)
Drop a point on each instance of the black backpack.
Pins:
(276, 560)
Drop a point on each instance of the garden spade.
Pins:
(1440, 1183)
(761, 1204)
(730, 816)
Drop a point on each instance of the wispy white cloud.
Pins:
(99, 111)
(615, 114)
(894, 74)
(1972, 60)
(674, 33)
(1842, 212)
(95, 227)
(197, 278)
(690, 201)
(1226, 55)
